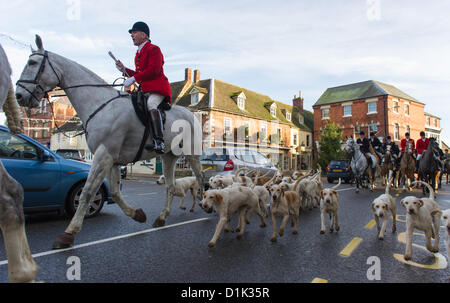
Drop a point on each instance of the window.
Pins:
(435, 122)
(295, 140)
(325, 113)
(428, 121)
(408, 129)
(407, 109)
(35, 133)
(245, 155)
(15, 147)
(373, 128)
(371, 107)
(395, 107)
(307, 140)
(263, 133)
(227, 127)
(194, 99)
(273, 110)
(347, 110)
(246, 126)
(396, 132)
(288, 116)
(241, 102)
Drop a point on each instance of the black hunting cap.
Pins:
(140, 26)
(388, 137)
(362, 133)
(372, 134)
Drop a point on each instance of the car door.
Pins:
(39, 179)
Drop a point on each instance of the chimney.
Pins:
(188, 75)
(298, 102)
(196, 76)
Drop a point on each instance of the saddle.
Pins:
(139, 101)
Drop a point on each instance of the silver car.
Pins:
(227, 160)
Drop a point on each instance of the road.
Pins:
(114, 248)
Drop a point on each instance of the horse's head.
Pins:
(349, 148)
(38, 77)
(409, 148)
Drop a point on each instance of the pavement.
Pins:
(113, 248)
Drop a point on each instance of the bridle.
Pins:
(36, 79)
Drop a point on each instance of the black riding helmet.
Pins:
(140, 26)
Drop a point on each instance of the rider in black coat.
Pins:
(395, 151)
(376, 144)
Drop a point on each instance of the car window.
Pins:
(245, 155)
(339, 163)
(260, 159)
(216, 154)
(15, 147)
(69, 154)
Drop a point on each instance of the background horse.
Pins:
(407, 166)
(358, 164)
(21, 266)
(388, 171)
(114, 135)
(428, 168)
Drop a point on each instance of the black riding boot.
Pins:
(416, 170)
(157, 126)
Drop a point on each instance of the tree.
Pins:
(330, 144)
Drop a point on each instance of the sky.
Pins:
(276, 48)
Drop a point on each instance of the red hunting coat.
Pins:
(149, 71)
(403, 145)
(421, 145)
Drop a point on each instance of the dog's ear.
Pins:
(333, 192)
(321, 194)
(420, 202)
(219, 198)
(402, 202)
(373, 206)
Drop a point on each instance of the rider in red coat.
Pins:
(149, 74)
(403, 143)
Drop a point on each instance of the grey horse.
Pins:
(21, 266)
(358, 164)
(114, 132)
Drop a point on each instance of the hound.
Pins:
(381, 207)
(182, 186)
(446, 219)
(329, 205)
(227, 202)
(285, 204)
(422, 214)
(223, 181)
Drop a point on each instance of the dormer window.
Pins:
(197, 94)
(273, 110)
(239, 98)
(288, 116)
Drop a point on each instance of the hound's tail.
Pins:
(337, 185)
(429, 188)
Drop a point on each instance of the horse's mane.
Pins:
(83, 68)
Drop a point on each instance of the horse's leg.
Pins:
(101, 166)
(169, 161)
(116, 195)
(194, 161)
(21, 266)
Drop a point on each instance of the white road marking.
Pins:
(146, 194)
(52, 252)
(345, 189)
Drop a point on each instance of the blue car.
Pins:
(50, 182)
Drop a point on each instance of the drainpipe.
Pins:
(386, 130)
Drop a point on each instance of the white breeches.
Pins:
(419, 156)
(154, 100)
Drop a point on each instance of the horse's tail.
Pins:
(12, 112)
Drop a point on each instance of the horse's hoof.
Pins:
(140, 216)
(322, 232)
(64, 240)
(159, 222)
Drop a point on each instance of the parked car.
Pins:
(339, 169)
(123, 171)
(73, 154)
(50, 182)
(226, 160)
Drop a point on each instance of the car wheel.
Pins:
(74, 199)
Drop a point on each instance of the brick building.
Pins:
(39, 122)
(433, 127)
(370, 106)
(235, 116)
